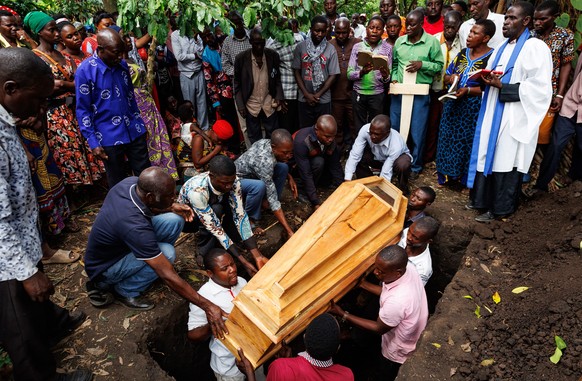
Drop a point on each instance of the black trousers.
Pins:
(366, 107)
(498, 192)
(255, 123)
(27, 331)
(308, 115)
(564, 129)
(137, 156)
(401, 168)
(290, 119)
(206, 241)
(229, 114)
(343, 112)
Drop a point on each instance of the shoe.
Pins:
(303, 198)
(414, 175)
(485, 217)
(97, 297)
(136, 303)
(77, 375)
(470, 207)
(75, 320)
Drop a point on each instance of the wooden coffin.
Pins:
(321, 262)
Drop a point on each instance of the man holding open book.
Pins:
(369, 69)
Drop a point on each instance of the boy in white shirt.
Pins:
(221, 289)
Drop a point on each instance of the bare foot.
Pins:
(47, 251)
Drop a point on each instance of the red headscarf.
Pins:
(223, 129)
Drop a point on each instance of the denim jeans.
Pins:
(418, 125)
(130, 276)
(254, 190)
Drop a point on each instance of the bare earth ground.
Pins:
(538, 247)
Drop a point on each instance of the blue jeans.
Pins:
(130, 276)
(254, 190)
(418, 125)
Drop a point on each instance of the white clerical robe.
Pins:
(518, 133)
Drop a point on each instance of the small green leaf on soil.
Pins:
(557, 356)
(496, 297)
(519, 290)
(560, 343)
(436, 345)
(487, 362)
(478, 311)
(468, 297)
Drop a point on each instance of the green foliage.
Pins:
(563, 20)
(4, 358)
(195, 15)
(23, 6)
(577, 4)
(75, 9)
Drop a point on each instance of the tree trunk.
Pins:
(110, 5)
(151, 63)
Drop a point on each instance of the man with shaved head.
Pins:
(132, 241)
(31, 323)
(403, 310)
(317, 157)
(379, 149)
(106, 109)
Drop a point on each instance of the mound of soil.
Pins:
(470, 337)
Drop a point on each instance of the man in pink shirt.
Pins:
(403, 309)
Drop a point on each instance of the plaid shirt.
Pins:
(287, 78)
(231, 48)
(259, 163)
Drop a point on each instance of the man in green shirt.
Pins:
(416, 51)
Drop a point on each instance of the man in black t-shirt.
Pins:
(132, 244)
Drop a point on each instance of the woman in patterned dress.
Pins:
(72, 40)
(459, 118)
(70, 149)
(159, 148)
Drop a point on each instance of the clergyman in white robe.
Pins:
(517, 139)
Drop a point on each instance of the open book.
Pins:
(478, 74)
(377, 60)
(452, 90)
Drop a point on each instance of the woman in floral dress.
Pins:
(70, 149)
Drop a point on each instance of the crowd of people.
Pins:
(229, 119)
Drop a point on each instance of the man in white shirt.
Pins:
(415, 240)
(479, 9)
(188, 52)
(378, 148)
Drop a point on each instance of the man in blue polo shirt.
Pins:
(132, 241)
(106, 109)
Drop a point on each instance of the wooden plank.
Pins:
(408, 89)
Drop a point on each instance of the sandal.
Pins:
(99, 298)
(62, 257)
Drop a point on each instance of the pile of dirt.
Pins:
(471, 337)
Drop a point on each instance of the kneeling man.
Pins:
(317, 157)
(378, 147)
(132, 244)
